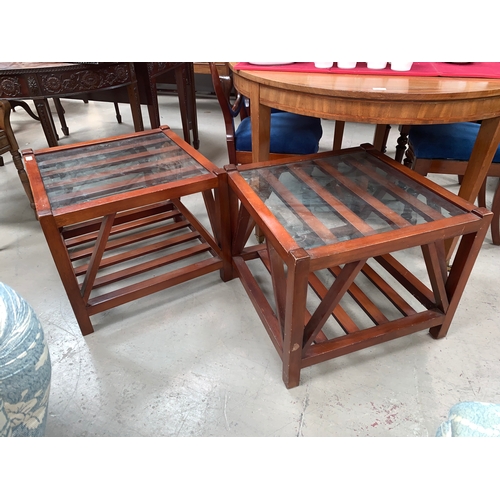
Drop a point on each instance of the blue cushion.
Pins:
(290, 134)
(450, 141)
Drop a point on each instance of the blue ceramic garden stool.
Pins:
(472, 419)
(25, 368)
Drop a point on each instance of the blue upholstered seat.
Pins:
(450, 141)
(290, 134)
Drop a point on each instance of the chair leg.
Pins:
(495, 222)
(338, 135)
(402, 142)
(117, 111)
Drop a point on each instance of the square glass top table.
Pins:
(341, 231)
(113, 218)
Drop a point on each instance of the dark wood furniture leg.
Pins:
(184, 79)
(404, 130)
(42, 107)
(8, 143)
(60, 114)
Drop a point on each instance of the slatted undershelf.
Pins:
(383, 292)
(148, 249)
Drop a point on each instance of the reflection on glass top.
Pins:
(344, 197)
(95, 171)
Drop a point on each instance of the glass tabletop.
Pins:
(343, 197)
(94, 171)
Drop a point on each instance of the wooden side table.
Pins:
(114, 221)
(338, 229)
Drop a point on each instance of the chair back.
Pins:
(291, 134)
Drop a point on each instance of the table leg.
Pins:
(480, 160)
(135, 106)
(181, 85)
(381, 136)
(64, 267)
(466, 255)
(45, 116)
(297, 279)
(60, 114)
(191, 103)
(261, 126)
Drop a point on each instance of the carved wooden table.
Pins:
(149, 74)
(113, 218)
(41, 81)
(379, 99)
(341, 231)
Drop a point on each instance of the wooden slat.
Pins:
(332, 298)
(264, 256)
(111, 188)
(118, 228)
(388, 291)
(298, 208)
(260, 303)
(244, 227)
(139, 252)
(362, 300)
(436, 268)
(278, 278)
(318, 353)
(106, 164)
(95, 259)
(79, 152)
(195, 223)
(126, 294)
(344, 320)
(150, 265)
(344, 212)
(105, 171)
(408, 280)
(83, 228)
(427, 212)
(77, 254)
(377, 206)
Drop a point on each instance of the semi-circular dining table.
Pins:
(398, 99)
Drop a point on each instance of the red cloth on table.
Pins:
(471, 70)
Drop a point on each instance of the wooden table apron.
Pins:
(38, 82)
(378, 100)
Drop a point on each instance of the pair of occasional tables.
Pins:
(338, 227)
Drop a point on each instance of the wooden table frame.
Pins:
(296, 333)
(41, 81)
(379, 100)
(83, 235)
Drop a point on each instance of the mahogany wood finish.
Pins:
(379, 99)
(113, 217)
(333, 223)
(8, 144)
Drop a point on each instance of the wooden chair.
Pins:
(9, 144)
(291, 134)
(446, 149)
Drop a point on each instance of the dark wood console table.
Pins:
(41, 81)
(126, 82)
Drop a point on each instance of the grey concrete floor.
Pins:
(195, 360)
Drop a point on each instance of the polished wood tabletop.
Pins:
(399, 99)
